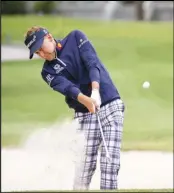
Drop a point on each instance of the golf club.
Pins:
(107, 153)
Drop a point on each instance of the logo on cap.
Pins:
(32, 41)
(45, 31)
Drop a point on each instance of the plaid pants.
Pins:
(111, 117)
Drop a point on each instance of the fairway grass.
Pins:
(60, 26)
(132, 53)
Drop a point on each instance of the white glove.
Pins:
(96, 96)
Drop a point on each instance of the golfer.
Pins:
(72, 67)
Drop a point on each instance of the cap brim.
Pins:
(36, 47)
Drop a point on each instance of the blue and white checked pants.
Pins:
(111, 117)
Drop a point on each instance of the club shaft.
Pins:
(107, 153)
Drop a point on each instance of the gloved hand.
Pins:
(95, 95)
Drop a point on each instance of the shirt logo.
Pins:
(59, 45)
(32, 41)
(58, 68)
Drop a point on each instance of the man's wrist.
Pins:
(95, 85)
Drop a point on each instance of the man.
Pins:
(73, 68)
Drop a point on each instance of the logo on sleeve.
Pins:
(82, 42)
(49, 78)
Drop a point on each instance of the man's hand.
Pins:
(87, 102)
(95, 95)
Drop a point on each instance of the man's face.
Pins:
(47, 49)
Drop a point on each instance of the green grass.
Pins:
(16, 26)
(132, 52)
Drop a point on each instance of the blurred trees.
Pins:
(139, 10)
(138, 7)
(20, 7)
(44, 7)
(13, 7)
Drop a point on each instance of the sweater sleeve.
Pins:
(61, 84)
(88, 55)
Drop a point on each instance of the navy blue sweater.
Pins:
(74, 68)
